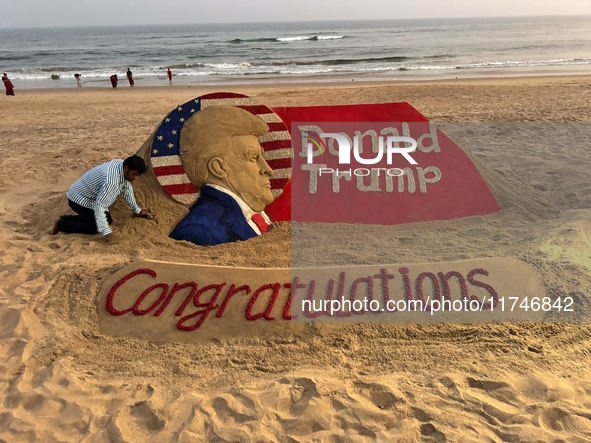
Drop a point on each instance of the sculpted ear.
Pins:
(217, 167)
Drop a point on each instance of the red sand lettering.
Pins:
(439, 284)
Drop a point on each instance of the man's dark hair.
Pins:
(135, 163)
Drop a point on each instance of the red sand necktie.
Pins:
(259, 220)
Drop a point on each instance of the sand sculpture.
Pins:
(217, 141)
(222, 156)
(176, 302)
(215, 147)
(444, 185)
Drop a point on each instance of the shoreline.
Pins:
(441, 100)
(401, 77)
(333, 82)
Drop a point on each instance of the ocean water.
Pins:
(297, 51)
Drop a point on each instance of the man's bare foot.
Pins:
(55, 229)
(110, 238)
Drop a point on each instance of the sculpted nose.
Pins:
(265, 168)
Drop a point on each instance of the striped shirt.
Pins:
(99, 188)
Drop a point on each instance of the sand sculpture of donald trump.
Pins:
(221, 155)
(225, 157)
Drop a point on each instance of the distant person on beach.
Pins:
(130, 77)
(78, 81)
(169, 73)
(114, 80)
(91, 196)
(221, 155)
(8, 85)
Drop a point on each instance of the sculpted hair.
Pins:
(208, 134)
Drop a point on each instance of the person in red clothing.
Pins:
(8, 85)
(169, 72)
(130, 77)
(114, 80)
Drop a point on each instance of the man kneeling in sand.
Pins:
(221, 154)
(91, 196)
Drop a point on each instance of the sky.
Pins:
(56, 13)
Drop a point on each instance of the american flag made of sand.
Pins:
(165, 157)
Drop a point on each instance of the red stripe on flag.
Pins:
(261, 109)
(279, 163)
(279, 183)
(168, 170)
(276, 144)
(215, 95)
(277, 126)
(187, 188)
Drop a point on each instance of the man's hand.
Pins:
(145, 213)
(110, 238)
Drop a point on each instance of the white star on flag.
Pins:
(192, 111)
(182, 120)
(179, 109)
(160, 138)
(167, 120)
(155, 151)
(170, 145)
(174, 132)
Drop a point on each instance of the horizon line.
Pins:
(292, 21)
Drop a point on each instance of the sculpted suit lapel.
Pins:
(215, 218)
(232, 219)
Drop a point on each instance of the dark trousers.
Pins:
(83, 223)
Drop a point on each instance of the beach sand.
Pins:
(62, 380)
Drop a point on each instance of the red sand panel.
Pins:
(460, 192)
